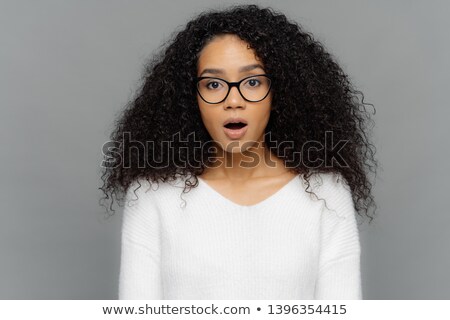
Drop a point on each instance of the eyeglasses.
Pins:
(215, 90)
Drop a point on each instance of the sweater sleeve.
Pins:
(140, 268)
(339, 275)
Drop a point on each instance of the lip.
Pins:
(235, 120)
(234, 134)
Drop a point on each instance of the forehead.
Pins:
(228, 53)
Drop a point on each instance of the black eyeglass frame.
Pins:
(234, 84)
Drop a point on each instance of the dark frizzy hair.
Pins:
(311, 96)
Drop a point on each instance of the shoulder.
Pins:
(138, 190)
(145, 191)
(334, 189)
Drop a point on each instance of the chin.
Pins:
(240, 146)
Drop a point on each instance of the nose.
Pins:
(234, 99)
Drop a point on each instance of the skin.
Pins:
(242, 184)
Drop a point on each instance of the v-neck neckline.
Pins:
(270, 198)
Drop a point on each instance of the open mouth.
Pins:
(235, 130)
(235, 126)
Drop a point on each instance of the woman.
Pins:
(245, 110)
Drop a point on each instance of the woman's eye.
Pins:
(214, 83)
(253, 82)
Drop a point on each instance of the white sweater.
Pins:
(201, 245)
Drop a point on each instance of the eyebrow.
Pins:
(242, 69)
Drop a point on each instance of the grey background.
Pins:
(67, 67)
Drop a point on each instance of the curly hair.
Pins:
(312, 96)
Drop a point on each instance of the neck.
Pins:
(253, 162)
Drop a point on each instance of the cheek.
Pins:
(264, 115)
(208, 118)
(199, 100)
(203, 110)
(260, 120)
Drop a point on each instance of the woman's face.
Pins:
(227, 55)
